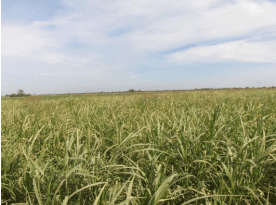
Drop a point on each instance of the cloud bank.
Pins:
(117, 41)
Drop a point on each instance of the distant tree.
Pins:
(131, 90)
(20, 93)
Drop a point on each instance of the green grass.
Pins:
(193, 147)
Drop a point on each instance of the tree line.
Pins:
(20, 93)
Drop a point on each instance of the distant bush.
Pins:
(20, 93)
(131, 90)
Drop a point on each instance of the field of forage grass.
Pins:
(193, 147)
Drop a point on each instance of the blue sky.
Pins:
(71, 46)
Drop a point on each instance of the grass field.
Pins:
(193, 147)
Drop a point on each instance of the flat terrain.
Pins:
(190, 147)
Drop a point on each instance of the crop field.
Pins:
(215, 147)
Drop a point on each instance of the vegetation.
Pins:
(20, 93)
(193, 147)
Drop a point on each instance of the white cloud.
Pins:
(113, 39)
(152, 26)
(232, 51)
(35, 43)
(22, 41)
(134, 76)
(225, 21)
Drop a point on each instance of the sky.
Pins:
(77, 46)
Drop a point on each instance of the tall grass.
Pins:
(203, 147)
